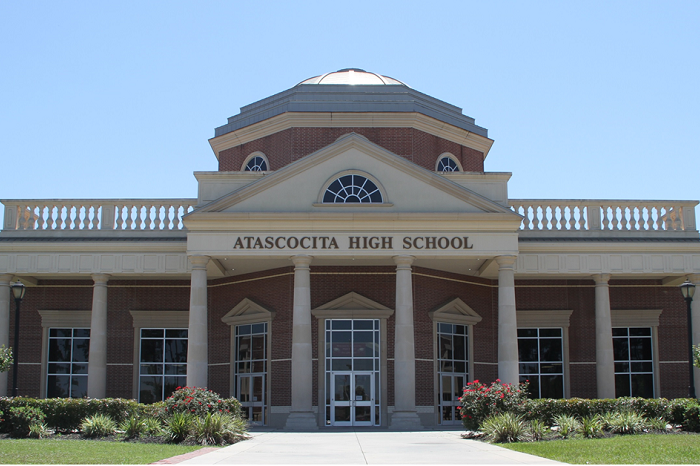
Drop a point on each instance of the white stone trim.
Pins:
(636, 318)
(543, 319)
(248, 312)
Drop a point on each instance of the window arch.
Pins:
(448, 163)
(353, 187)
(256, 162)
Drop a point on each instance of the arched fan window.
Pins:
(352, 189)
(256, 162)
(447, 164)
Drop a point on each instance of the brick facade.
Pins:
(292, 144)
(273, 290)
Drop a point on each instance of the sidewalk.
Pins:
(363, 447)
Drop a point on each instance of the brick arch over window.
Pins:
(292, 144)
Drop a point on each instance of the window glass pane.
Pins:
(642, 331)
(341, 324)
(259, 347)
(641, 367)
(151, 350)
(551, 368)
(80, 368)
(363, 345)
(363, 324)
(460, 349)
(78, 386)
(244, 349)
(151, 389)
(151, 369)
(81, 349)
(445, 328)
(620, 349)
(550, 332)
(531, 368)
(527, 332)
(622, 367)
(364, 364)
(59, 350)
(527, 350)
(175, 350)
(176, 333)
(60, 332)
(244, 329)
(176, 369)
(341, 364)
(446, 347)
(341, 344)
(622, 385)
(619, 332)
(643, 385)
(640, 348)
(551, 386)
(151, 333)
(258, 328)
(81, 333)
(550, 349)
(59, 368)
(58, 386)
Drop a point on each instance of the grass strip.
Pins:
(52, 451)
(623, 449)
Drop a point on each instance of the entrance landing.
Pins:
(360, 446)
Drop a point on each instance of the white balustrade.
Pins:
(605, 215)
(92, 214)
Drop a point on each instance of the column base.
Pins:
(301, 421)
(405, 420)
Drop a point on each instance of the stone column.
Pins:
(5, 300)
(404, 415)
(301, 416)
(197, 348)
(604, 357)
(508, 369)
(695, 313)
(97, 359)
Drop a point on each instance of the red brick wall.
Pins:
(274, 290)
(292, 144)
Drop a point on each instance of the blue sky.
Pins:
(594, 99)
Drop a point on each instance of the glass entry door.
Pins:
(451, 387)
(251, 390)
(352, 398)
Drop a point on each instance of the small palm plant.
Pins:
(504, 428)
(567, 426)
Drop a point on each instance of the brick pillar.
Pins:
(97, 359)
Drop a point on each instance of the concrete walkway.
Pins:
(363, 447)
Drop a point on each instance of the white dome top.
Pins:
(351, 76)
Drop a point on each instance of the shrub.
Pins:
(217, 429)
(178, 426)
(538, 430)
(199, 402)
(6, 359)
(591, 426)
(504, 428)
(132, 427)
(567, 426)
(480, 401)
(22, 418)
(627, 422)
(38, 431)
(152, 426)
(98, 425)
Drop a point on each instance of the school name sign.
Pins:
(352, 243)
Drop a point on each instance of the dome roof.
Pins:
(351, 76)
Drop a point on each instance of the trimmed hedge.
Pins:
(681, 411)
(66, 414)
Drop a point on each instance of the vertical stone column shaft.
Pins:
(5, 293)
(301, 416)
(604, 357)
(507, 321)
(197, 348)
(695, 313)
(405, 415)
(97, 359)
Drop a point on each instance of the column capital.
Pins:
(694, 278)
(601, 279)
(506, 262)
(301, 261)
(403, 262)
(199, 262)
(100, 278)
(6, 279)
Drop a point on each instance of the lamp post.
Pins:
(18, 290)
(688, 290)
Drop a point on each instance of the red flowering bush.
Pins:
(480, 401)
(200, 402)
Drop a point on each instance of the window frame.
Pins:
(155, 320)
(163, 363)
(57, 319)
(251, 156)
(550, 319)
(452, 157)
(632, 318)
(385, 200)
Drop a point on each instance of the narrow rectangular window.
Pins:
(162, 363)
(634, 362)
(68, 362)
(453, 369)
(541, 357)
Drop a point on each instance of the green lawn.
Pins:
(51, 451)
(623, 449)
